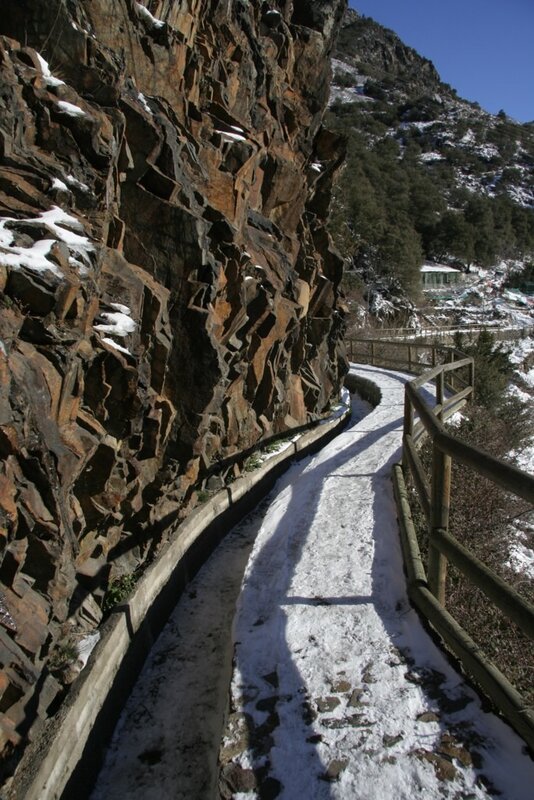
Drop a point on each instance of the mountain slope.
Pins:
(428, 175)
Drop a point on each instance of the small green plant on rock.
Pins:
(272, 447)
(118, 590)
(64, 653)
(252, 463)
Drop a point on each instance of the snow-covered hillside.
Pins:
(482, 299)
(488, 154)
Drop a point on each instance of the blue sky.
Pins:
(483, 48)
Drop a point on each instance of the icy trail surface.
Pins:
(337, 690)
(166, 743)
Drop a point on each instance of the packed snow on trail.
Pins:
(337, 690)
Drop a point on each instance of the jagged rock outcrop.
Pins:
(168, 292)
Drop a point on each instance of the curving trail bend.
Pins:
(337, 691)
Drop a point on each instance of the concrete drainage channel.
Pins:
(64, 762)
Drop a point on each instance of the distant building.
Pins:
(435, 275)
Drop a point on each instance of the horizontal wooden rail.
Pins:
(451, 403)
(504, 475)
(398, 343)
(435, 333)
(431, 374)
(504, 596)
(486, 674)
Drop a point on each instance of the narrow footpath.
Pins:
(337, 690)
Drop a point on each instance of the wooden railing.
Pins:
(414, 357)
(446, 333)
(424, 415)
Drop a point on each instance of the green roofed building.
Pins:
(433, 276)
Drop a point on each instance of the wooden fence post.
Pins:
(408, 428)
(440, 392)
(373, 353)
(452, 374)
(472, 378)
(439, 519)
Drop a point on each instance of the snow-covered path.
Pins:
(338, 692)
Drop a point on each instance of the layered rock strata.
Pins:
(168, 295)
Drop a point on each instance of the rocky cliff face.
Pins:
(168, 293)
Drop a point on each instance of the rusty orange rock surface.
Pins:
(168, 294)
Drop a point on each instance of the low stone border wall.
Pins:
(64, 761)
(364, 387)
